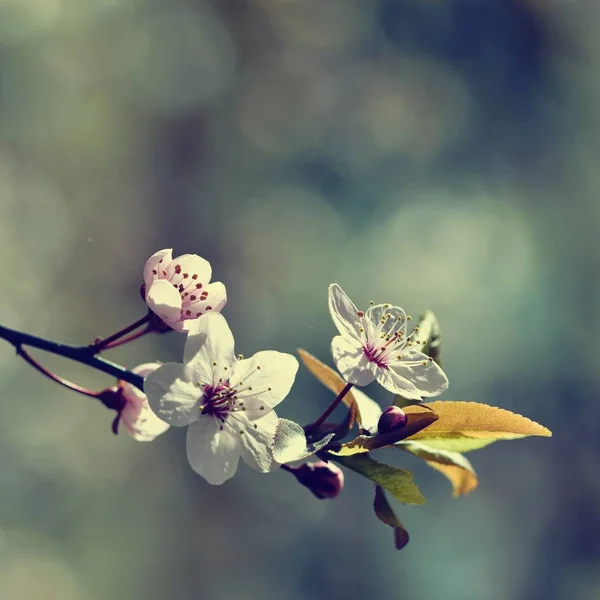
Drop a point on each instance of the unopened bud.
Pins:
(391, 419)
(114, 399)
(324, 479)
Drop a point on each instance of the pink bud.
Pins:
(324, 479)
(391, 419)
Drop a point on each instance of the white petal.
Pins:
(131, 392)
(426, 375)
(164, 300)
(396, 323)
(162, 258)
(263, 381)
(215, 300)
(257, 440)
(140, 422)
(137, 417)
(190, 264)
(343, 312)
(369, 410)
(210, 341)
(290, 443)
(173, 394)
(397, 384)
(351, 362)
(212, 452)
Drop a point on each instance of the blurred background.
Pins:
(433, 154)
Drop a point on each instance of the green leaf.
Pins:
(386, 514)
(417, 420)
(464, 426)
(453, 465)
(290, 442)
(399, 482)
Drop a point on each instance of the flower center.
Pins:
(218, 401)
(193, 296)
(383, 340)
(375, 354)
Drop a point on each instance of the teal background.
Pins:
(433, 154)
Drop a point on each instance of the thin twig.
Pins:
(107, 342)
(314, 426)
(129, 338)
(60, 380)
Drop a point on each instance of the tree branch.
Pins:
(81, 354)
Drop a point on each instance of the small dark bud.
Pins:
(143, 292)
(325, 480)
(114, 399)
(391, 419)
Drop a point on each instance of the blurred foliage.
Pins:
(431, 154)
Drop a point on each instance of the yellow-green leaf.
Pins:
(399, 482)
(385, 513)
(458, 444)
(331, 379)
(415, 421)
(464, 426)
(453, 465)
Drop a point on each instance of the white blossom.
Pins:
(178, 289)
(226, 403)
(374, 345)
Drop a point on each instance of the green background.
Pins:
(433, 154)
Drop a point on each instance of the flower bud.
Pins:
(324, 479)
(391, 419)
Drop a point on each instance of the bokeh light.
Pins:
(437, 155)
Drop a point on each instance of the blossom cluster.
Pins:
(227, 402)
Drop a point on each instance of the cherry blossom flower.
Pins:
(226, 402)
(136, 415)
(178, 289)
(374, 345)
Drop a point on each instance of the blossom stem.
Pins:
(81, 354)
(314, 426)
(60, 380)
(107, 342)
(129, 338)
